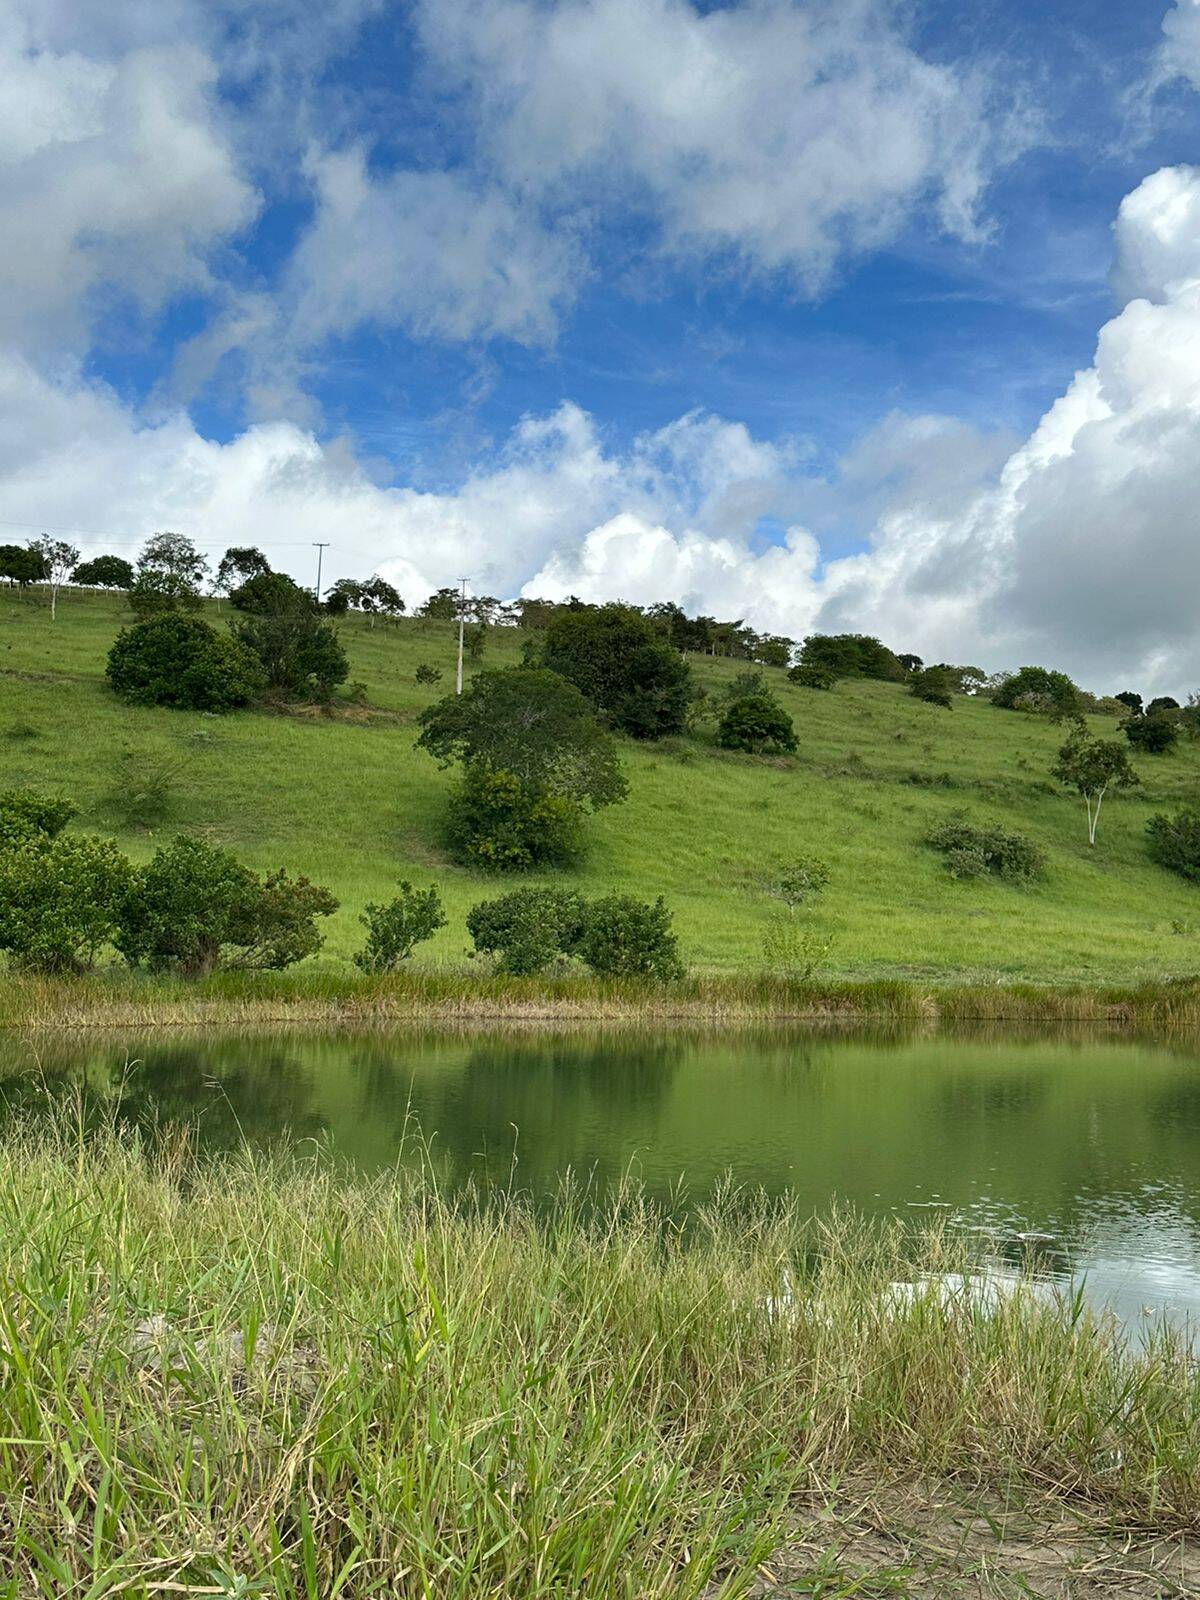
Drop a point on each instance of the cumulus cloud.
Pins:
(1179, 53)
(115, 180)
(778, 133)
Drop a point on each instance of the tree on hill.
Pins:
(910, 663)
(1037, 686)
(441, 606)
(1162, 702)
(935, 685)
(20, 565)
(850, 655)
(59, 559)
(616, 657)
(1154, 735)
(1091, 767)
(104, 572)
(269, 592)
(1130, 698)
(173, 659)
(170, 573)
(299, 651)
(239, 565)
(534, 759)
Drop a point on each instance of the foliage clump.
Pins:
(617, 935)
(934, 685)
(172, 659)
(1038, 690)
(25, 814)
(500, 822)
(1174, 841)
(170, 574)
(104, 572)
(61, 899)
(757, 723)
(1152, 735)
(194, 907)
(616, 657)
(298, 651)
(849, 655)
(975, 852)
(428, 674)
(1091, 767)
(395, 928)
(808, 675)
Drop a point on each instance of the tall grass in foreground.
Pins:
(248, 1378)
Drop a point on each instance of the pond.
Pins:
(1091, 1139)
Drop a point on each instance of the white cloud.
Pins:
(1158, 236)
(777, 133)
(1179, 53)
(115, 180)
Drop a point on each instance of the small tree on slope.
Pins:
(1092, 767)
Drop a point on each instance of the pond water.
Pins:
(1089, 1138)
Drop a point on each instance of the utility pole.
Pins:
(462, 619)
(320, 549)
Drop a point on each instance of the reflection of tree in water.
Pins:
(1177, 1108)
(555, 1100)
(1004, 1093)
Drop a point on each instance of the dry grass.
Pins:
(247, 1378)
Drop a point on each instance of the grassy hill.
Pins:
(345, 798)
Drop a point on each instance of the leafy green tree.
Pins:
(269, 592)
(616, 657)
(428, 674)
(499, 822)
(1091, 767)
(627, 938)
(172, 659)
(170, 575)
(104, 572)
(441, 606)
(298, 650)
(395, 928)
(239, 565)
(1174, 842)
(194, 907)
(758, 723)
(850, 655)
(377, 597)
(807, 676)
(1039, 686)
(802, 879)
(774, 650)
(61, 898)
(1162, 702)
(1130, 698)
(531, 723)
(910, 663)
(527, 930)
(934, 685)
(20, 565)
(1153, 734)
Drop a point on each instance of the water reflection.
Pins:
(1092, 1139)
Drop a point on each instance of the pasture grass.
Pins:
(345, 797)
(244, 1377)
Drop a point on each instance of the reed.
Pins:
(245, 1377)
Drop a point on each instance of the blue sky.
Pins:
(759, 303)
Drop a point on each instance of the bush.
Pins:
(395, 929)
(1059, 695)
(757, 723)
(627, 938)
(616, 657)
(792, 949)
(528, 930)
(61, 899)
(177, 660)
(972, 851)
(809, 676)
(428, 674)
(1174, 842)
(1153, 735)
(800, 880)
(933, 685)
(194, 907)
(501, 823)
(298, 652)
(25, 815)
(269, 592)
(145, 789)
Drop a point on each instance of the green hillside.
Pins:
(345, 798)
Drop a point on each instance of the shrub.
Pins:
(792, 949)
(500, 823)
(1061, 696)
(25, 815)
(1162, 702)
(144, 789)
(269, 592)
(428, 674)
(194, 907)
(170, 571)
(800, 880)
(810, 676)
(1131, 700)
(61, 899)
(627, 938)
(933, 685)
(1174, 842)
(396, 928)
(616, 657)
(970, 851)
(178, 660)
(1153, 735)
(528, 930)
(298, 652)
(758, 723)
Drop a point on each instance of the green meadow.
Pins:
(343, 796)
